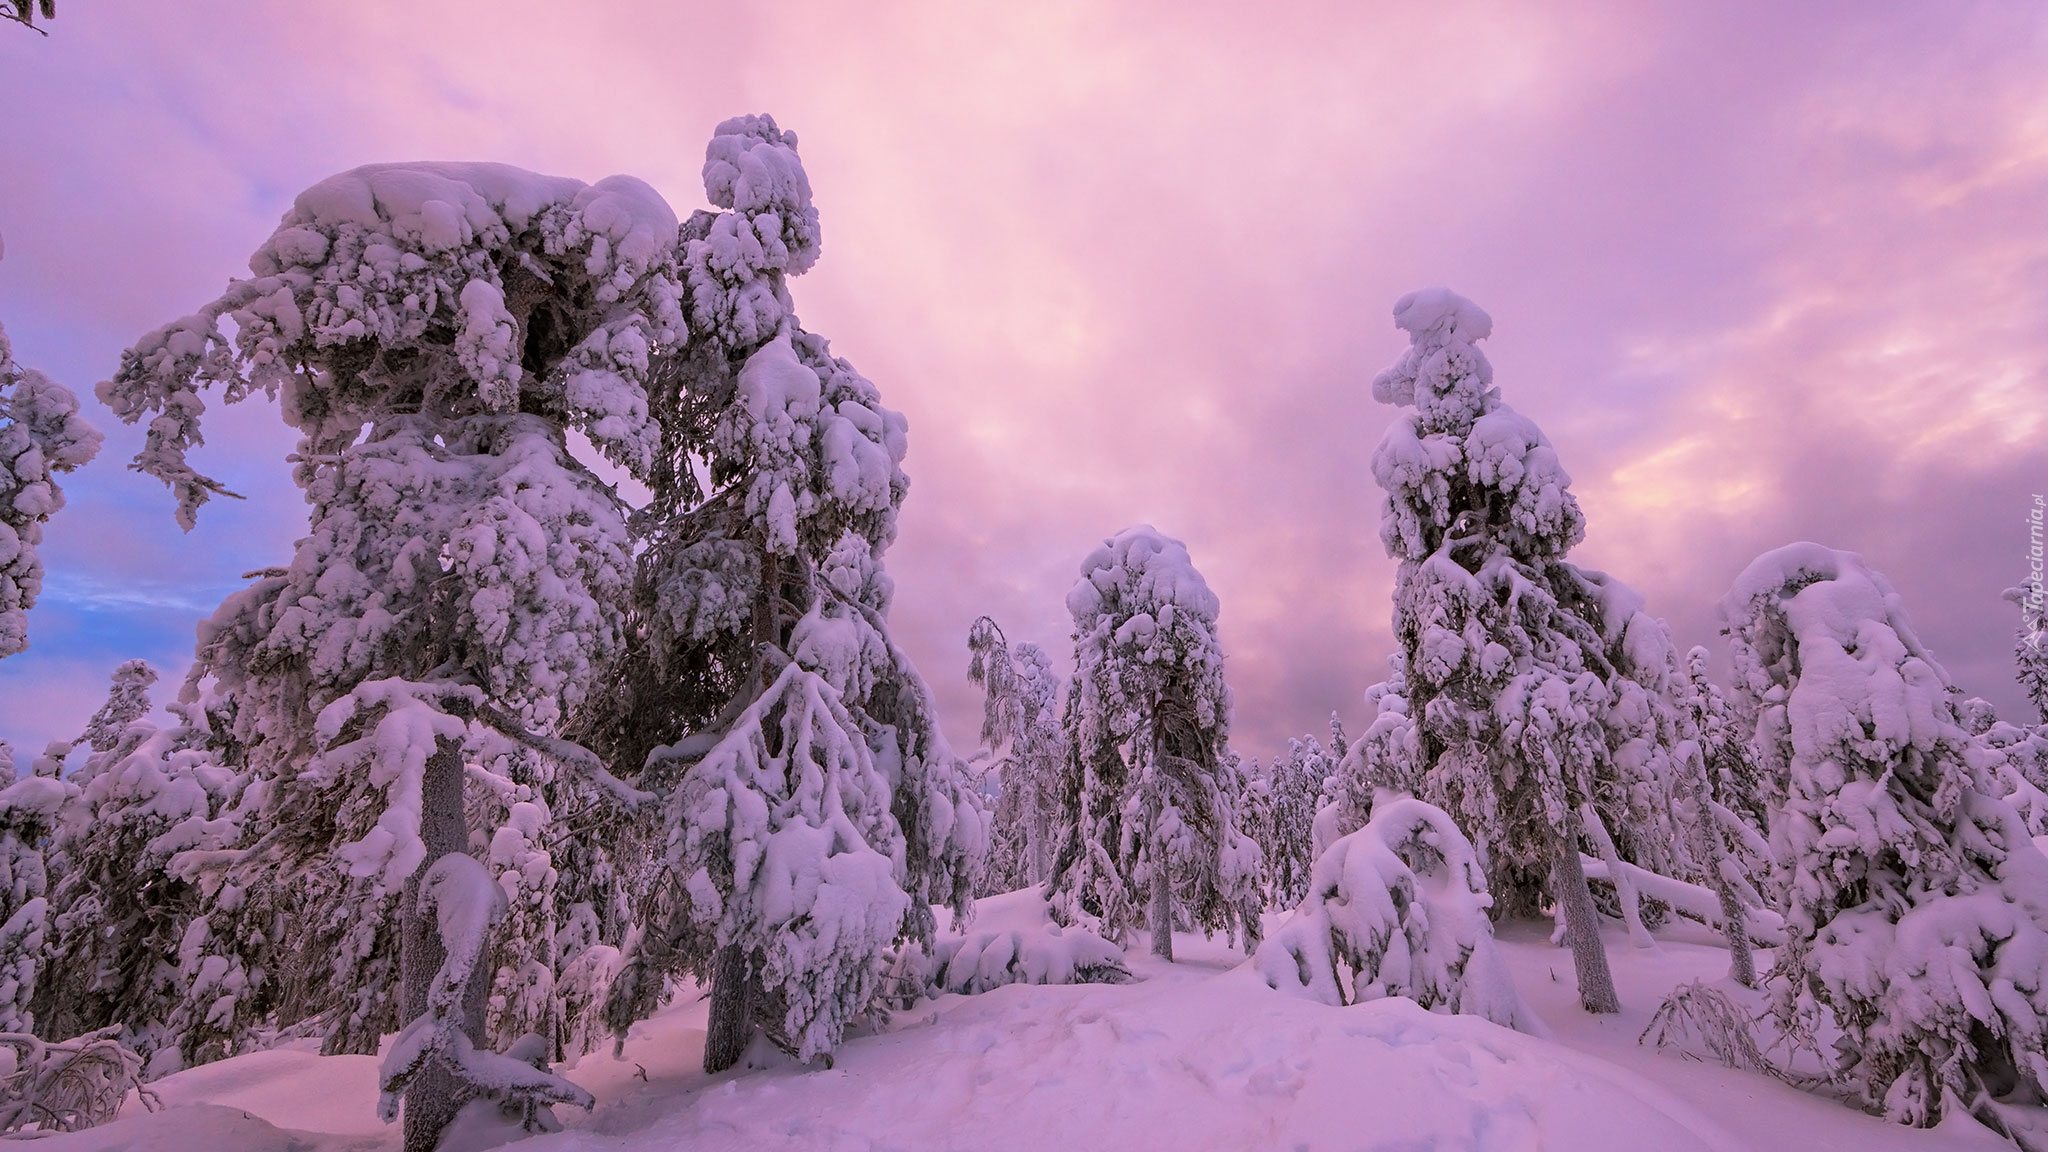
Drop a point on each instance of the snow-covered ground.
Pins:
(1198, 1055)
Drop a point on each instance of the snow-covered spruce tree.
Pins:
(433, 331)
(2030, 641)
(1295, 781)
(127, 701)
(1506, 645)
(1148, 719)
(816, 814)
(120, 912)
(1668, 816)
(1735, 781)
(41, 434)
(30, 809)
(1397, 908)
(1916, 904)
(2012, 759)
(1384, 758)
(1021, 730)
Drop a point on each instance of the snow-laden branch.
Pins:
(566, 752)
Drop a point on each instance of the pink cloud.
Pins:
(1759, 273)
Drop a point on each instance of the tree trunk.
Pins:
(1734, 921)
(1162, 908)
(732, 989)
(732, 1011)
(437, 1093)
(1581, 921)
(1714, 858)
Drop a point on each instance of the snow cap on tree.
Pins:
(380, 263)
(736, 261)
(1140, 594)
(1462, 435)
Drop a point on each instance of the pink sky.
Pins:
(1762, 272)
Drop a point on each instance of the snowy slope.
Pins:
(1200, 1055)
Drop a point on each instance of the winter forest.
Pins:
(574, 739)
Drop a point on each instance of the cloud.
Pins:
(1760, 273)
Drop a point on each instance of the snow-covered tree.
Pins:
(1916, 903)
(121, 912)
(1294, 782)
(1397, 908)
(1150, 803)
(1020, 729)
(41, 434)
(2012, 758)
(1384, 758)
(1525, 725)
(434, 331)
(761, 687)
(2030, 641)
(1735, 782)
(127, 701)
(29, 811)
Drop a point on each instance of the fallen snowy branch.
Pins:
(1766, 927)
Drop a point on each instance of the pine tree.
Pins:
(433, 331)
(1020, 730)
(1503, 648)
(1916, 903)
(1150, 800)
(1735, 782)
(760, 686)
(127, 701)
